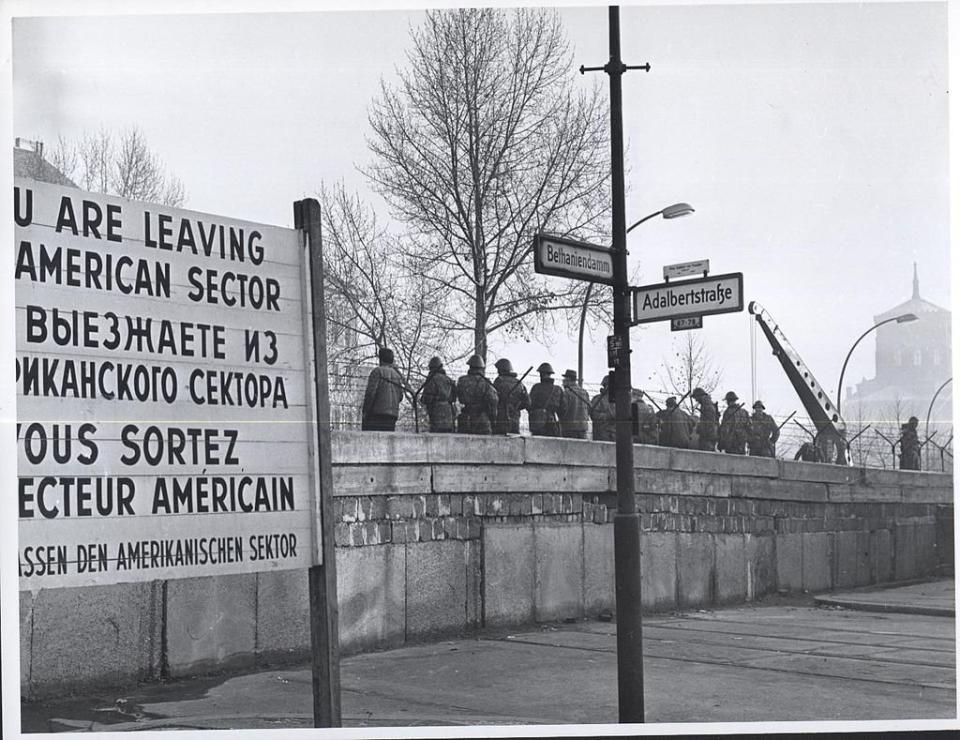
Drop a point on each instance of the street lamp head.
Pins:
(906, 317)
(677, 210)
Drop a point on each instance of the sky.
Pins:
(811, 139)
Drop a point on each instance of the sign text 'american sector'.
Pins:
(163, 405)
(701, 297)
(553, 255)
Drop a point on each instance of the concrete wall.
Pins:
(445, 533)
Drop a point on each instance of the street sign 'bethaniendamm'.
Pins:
(162, 401)
(701, 297)
(567, 258)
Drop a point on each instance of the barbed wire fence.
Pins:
(347, 384)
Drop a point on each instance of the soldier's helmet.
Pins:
(731, 396)
(606, 381)
(435, 363)
(385, 354)
(697, 393)
(913, 421)
(476, 361)
(571, 374)
(671, 402)
(503, 366)
(545, 369)
(759, 405)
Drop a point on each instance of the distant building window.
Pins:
(898, 358)
(917, 357)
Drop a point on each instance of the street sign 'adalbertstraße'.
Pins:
(702, 297)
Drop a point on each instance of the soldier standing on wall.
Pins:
(574, 421)
(676, 425)
(764, 432)
(603, 414)
(910, 445)
(513, 398)
(547, 404)
(808, 452)
(439, 397)
(644, 419)
(477, 398)
(381, 401)
(707, 426)
(734, 427)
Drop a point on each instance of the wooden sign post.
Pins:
(324, 631)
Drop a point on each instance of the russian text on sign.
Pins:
(123, 308)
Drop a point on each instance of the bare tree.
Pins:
(371, 299)
(120, 164)
(690, 366)
(483, 143)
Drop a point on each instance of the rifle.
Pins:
(519, 382)
(416, 415)
(677, 407)
(644, 393)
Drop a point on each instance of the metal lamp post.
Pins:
(902, 319)
(926, 430)
(676, 210)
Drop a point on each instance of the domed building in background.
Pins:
(912, 365)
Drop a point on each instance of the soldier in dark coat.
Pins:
(439, 397)
(478, 400)
(574, 421)
(707, 426)
(513, 399)
(644, 418)
(910, 445)
(381, 400)
(603, 414)
(734, 427)
(547, 404)
(809, 452)
(764, 432)
(676, 425)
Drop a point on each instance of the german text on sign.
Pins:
(705, 296)
(162, 400)
(572, 259)
(686, 269)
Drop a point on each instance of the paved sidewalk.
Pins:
(749, 663)
(934, 598)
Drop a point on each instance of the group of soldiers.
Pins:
(494, 407)
(735, 431)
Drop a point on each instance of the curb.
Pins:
(884, 606)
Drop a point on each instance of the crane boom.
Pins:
(822, 411)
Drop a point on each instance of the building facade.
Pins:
(913, 370)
